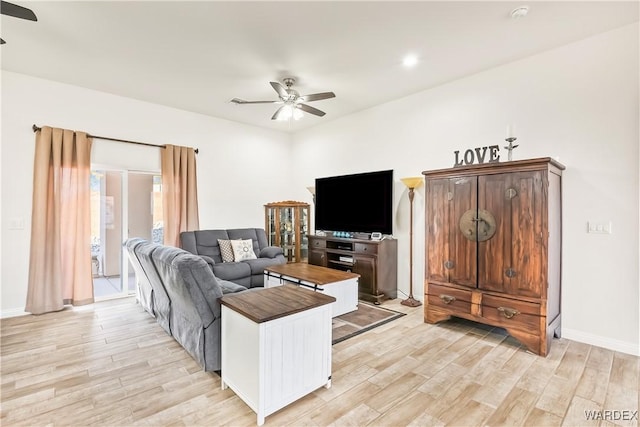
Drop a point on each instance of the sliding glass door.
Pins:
(123, 204)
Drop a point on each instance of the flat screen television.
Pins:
(359, 203)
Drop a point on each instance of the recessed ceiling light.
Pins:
(519, 12)
(410, 60)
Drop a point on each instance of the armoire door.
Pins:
(512, 260)
(451, 257)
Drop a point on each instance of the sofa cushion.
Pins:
(202, 285)
(271, 252)
(232, 271)
(144, 290)
(243, 250)
(194, 294)
(259, 239)
(192, 287)
(259, 264)
(230, 287)
(226, 251)
(208, 260)
(204, 242)
(161, 301)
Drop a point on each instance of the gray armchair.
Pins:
(249, 273)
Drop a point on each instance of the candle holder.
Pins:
(510, 147)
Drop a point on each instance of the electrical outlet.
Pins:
(595, 227)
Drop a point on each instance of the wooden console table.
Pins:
(375, 261)
(276, 346)
(341, 285)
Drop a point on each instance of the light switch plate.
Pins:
(16, 224)
(599, 227)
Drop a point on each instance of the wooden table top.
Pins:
(263, 305)
(311, 273)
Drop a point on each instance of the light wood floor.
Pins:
(111, 364)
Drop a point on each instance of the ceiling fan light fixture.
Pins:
(285, 113)
(288, 112)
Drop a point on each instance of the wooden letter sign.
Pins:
(478, 154)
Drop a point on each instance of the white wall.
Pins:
(577, 103)
(238, 165)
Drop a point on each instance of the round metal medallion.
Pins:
(477, 228)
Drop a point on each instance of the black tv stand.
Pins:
(375, 261)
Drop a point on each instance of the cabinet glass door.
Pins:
(287, 225)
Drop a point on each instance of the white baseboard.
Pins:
(600, 341)
(12, 312)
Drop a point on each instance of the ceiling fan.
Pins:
(292, 100)
(16, 11)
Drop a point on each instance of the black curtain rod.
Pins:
(36, 129)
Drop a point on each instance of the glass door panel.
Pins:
(123, 204)
(106, 231)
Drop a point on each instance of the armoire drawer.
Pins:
(510, 313)
(457, 300)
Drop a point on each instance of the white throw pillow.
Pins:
(243, 250)
(226, 251)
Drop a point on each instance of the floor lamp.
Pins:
(412, 184)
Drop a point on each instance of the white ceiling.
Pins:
(196, 56)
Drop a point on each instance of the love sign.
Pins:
(478, 155)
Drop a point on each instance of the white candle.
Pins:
(511, 131)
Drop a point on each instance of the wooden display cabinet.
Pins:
(287, 225)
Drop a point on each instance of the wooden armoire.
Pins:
(493, 247)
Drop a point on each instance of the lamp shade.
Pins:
(413, 182)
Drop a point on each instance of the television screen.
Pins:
(361, 203)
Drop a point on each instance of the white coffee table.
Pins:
(342, 285)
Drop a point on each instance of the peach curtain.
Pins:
(179, 192)
(60, 258)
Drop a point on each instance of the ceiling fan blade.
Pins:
(2, 41)
(317, 96)
(242, 101)
(278, 112)
(282, 92)
(16, 11)
(309, 109)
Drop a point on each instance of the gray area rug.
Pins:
(365, 318)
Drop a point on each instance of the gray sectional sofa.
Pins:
(180, 290)
(249, 273)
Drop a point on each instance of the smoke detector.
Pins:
(519, 12)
